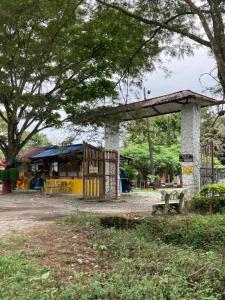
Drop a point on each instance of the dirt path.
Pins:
(23, 209)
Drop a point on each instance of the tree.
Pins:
(200, 21)
(213, 130)
(165, 130)
(166, 158)
(38, 139)
(165, 145)
(162, 130)
(56, 55)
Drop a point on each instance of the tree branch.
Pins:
(202, 18)
(162, 25)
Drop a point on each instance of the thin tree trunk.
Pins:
(150, 147)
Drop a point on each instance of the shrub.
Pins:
(1, 174)
(215, 189)
(13, 174)
(196, 231)
(210, 195)
(5, 175)
(144, 267)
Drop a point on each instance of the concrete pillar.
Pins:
(112, 142)
(190, 146)
(112, 138)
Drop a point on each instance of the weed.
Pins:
(39, 253)
(161, 258)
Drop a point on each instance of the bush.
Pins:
(215, 189)
(13, 174)
(196, 231)
(144, 267)
(1, 174)
(5, 175)
(210, 195)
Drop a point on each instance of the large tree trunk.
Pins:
(6, 187)
(10, 154)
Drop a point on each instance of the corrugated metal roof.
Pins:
(57, 151)
(158, 106)
(27, 153)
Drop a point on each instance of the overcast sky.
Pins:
(185, 75)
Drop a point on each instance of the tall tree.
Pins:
(200, 21)
(55, 54)
(165, 130)
(161, 135)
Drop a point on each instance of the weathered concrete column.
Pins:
(112, 138)
(190, 146)
(112, 142)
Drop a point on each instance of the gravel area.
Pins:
(24, 209)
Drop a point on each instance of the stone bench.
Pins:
(171, 202)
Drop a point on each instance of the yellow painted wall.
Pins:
(70, 186)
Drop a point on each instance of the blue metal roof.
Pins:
(56, 151)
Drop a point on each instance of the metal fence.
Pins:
(207, 172)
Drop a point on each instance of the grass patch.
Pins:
(22, 279)
(196, 231)
(78, 258)
(80, 220)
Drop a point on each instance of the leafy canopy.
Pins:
(202, 22)
(57, 54)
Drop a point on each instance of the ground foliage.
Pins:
(210, 195)
(151, 261)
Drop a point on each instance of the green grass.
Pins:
(168, 258)
(22, 279)
(196, 231)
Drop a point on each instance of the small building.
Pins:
(80, 169)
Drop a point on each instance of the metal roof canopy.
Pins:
(58, 151)
(157, 106)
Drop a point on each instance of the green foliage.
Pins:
(182, 18)
(21, 279)
(13, 174)
(165, 158)
(130, 171)
(211, 194)
(38, 139)
(140, 157)
(10, 174)
(217, 164)
(164, 130)
(171, 258)
(1, 174)
(215, 189)
(145, 267)
(196, 231)
(83, 220)
(5, 175)
(154, 145)
(56, 57)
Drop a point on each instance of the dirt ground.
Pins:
(20, 210)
